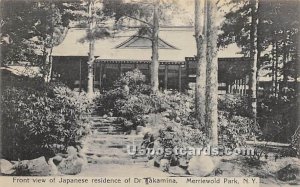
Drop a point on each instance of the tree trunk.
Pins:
(200, 35)
(50, 60)
(90, 85)
(253, 58)
(155, 62)
(212, 73)
(273, 68)
(284, 60)
(258, 43)
(276, 67)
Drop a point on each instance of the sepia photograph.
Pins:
(150, 92)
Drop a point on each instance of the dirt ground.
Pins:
(233, 167)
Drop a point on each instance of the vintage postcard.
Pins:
(149, 93)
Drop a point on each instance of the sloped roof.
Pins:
(181, 38)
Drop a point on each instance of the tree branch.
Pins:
(140, 20)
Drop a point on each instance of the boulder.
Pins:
(139, 129)
(164, 165)
(53, 168)
(133, 132)
(73, 164)
(146, 130)
(151, 163)
(71, 151)
(201, 166)
(35, 167)
(177, 119)
(176, 170)
(57, 159)
(6, 168)
(165, 114)
(183, 162)
(288, 173)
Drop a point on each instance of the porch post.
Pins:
(179, 78)
(80, 87)
(245, 85)
(100, 77)
(239, 86)
(166, 77)
(187, 81)
(120, 69)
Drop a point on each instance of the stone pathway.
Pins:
(106, 151)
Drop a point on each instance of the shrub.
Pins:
(278, 116)
(169, 134)
(235, 105)
(135, 80)
(235, 130)
(41, 121)
(130, 84)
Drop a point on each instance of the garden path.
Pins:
(106, 151)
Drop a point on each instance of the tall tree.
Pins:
(155, 56)
(90, 85)
(253, 57)
(149, 14)
(200, 35)
(212, 72)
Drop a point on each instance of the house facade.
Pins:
(127, 50)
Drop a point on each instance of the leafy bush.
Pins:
(235, 105)
(129, 99)
(41, 119)
(136, 82)
(278, 116)
(235, 130)
(169, 135)
(130, 84)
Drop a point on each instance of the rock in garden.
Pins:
(151, 163)
(183, 162)
(146, 130)
(71, 151)
(176, 170)
(35, 167)
(201, 166)
(165, 114)
(53, 168)
(57, 159)
(71, 165)
(6, 168)
(164, 165)
(288, 173)
(139, 129)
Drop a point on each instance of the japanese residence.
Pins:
(126, 50)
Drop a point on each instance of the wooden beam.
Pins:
(239, 86)
(166, 77)
(80, 82)
(179, 78)
(245, 85)
(100, 77)
(120, 69)
(187, 74)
